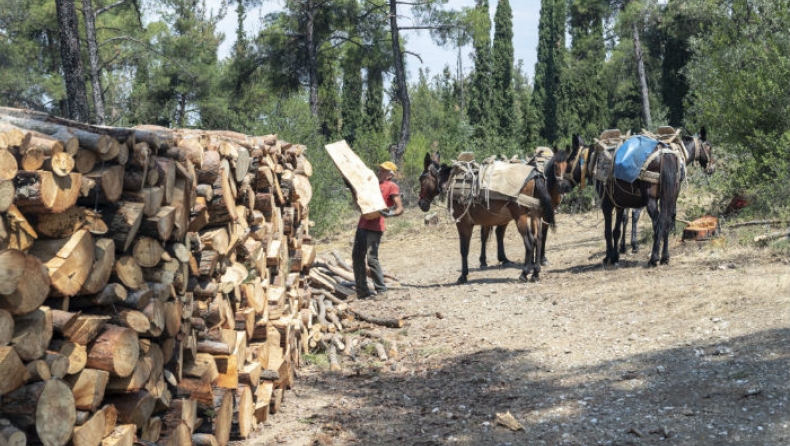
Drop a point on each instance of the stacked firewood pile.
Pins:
(153, 282)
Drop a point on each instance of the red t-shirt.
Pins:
(388, 190)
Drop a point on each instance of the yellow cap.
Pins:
(389, 165)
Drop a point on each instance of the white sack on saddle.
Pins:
(504, 178)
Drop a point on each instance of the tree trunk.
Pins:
(77, 97)
(312, 57)
(402, 91)
(640, 66)
(93, 60)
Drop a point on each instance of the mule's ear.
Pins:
(437, 158)
(426, 162)
(703, 134)
(575, 141)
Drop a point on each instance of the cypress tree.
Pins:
(502, 68)
(351, 112)
(479, 109)
(585, 97)
(549, 68)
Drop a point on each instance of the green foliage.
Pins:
(549, 71)
(738, 88)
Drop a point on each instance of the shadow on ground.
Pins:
(683, 395)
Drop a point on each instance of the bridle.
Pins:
(432, 172)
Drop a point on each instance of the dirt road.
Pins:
(694, 353)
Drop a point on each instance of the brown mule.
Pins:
(494, 212)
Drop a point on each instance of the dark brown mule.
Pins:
(660, 198)
(557, 186)
(433, 181)
(698, 150)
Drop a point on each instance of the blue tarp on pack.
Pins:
(630, 157)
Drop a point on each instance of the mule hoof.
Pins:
(507, 263)
(461, 280)
(535, 278)
(544, 262)
(634, 250)
(652, 263)
(665, 261)
(622, 250)
(523, 278)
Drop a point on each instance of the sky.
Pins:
(526, 14)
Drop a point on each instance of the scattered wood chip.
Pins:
(507, 420)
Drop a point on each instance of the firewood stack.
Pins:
(151, 281)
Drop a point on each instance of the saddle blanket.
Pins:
(630, 157)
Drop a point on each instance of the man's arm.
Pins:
(398, 206)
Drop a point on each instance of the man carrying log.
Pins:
(369, 232)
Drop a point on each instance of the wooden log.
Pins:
(129, 272)
(12, 369)
(12, 266)
(41, 191)
(6, 327)
(136, 320)
(152, 430)
(58, 364)
(85, 161)
(151, 197)
(7, 194)
(181, 410)
(147, 252)
(245, 411)
(208, 170)
(83, 328)
(37, 370)
(32, 333)
(91, 432)
(61, 164)
(104, 186)
(45, 409)
(10, 435)
(122, 435)
(124, 223)
(19, 234)
(103, 265)
(77, 354)
(69, 261)
(88, 387)
(31, 158)
(198, 389)
(133, 408)
(203, 365)
(31, 288)
(8, 165)
(159, 225)
(65, 224)
(167, 176)
(115, 350)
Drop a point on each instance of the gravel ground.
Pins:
(694, 353)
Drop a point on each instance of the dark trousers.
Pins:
(366, 245)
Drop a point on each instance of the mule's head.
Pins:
(703, 150)
(430, 181)
(577, 170)
(559, 164)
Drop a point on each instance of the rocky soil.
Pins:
(694, 353)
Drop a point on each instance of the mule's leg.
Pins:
(523, 224)
(652, 211)
(625, 230)
(635, 214)
(544, 227)
(618, 230)
(607, 207)
(485, 232)
(536, 232)
(464, 236)
(500, 245)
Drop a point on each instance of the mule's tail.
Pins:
(669, 187)
(545, 200)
